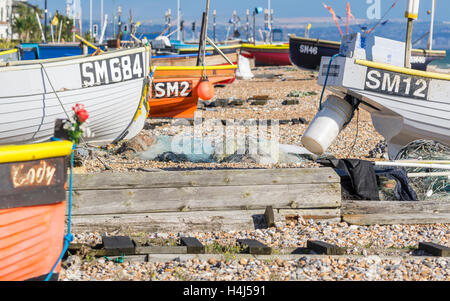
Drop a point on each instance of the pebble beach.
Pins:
(375, 252)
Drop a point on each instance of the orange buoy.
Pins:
(205, 89)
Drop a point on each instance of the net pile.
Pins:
(429, 187)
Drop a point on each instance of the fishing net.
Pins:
(430, 186)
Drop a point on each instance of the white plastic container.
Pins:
(244, 71)
(327, 125)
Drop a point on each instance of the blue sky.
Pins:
(145, 10)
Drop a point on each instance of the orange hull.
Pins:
(31, 241)
(174, 91)
(32, 209)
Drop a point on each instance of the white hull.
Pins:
(401, 119)
(29, 105)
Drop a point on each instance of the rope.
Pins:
(68, 238)
(356, 136)
(326, 78)
(381, 20)
(57, 97)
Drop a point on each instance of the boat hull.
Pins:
(406, 105)
(32, 210)
(174, 90)
(267, 55)
(111, 94)
(307, 53)
(191, 60)
(227, 49)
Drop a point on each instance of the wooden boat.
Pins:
(306, 53)
(190, 49)
(111, 86)
(191, 59)
(32, 209)
(35, 51)
(174, 90)
(267, 54)
(10, 55)
(405, 104)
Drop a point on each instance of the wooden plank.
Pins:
(434, 249)
(162, 250)
(395, 207)
(168, 179)
(269, 217)
(389, 213)
(118, 244)
(329, 214)
(206, 221)
(321, 247)
(120, 201)
(255, 247)
(193, 245)
(397, 219)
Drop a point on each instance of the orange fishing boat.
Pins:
(191, 59)
(32, 209)
(175, 88)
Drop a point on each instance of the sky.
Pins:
(153, 10)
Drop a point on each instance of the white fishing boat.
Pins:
(375, 74)
(112, 86)
(405, 104)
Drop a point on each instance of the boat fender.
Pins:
(205, 89)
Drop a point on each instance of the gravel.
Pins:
(358, 140)
(383, 252)
(373, 253)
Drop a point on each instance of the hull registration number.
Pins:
(172, 89)
(396, 84)
(110, 71)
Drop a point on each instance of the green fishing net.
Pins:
(428, 187)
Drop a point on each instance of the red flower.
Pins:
(80, 112)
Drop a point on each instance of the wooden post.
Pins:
(247, 24)
(202, 42)
(254, 27)
(408, 47)
(412, 12)
(200, 59)
(430, 35)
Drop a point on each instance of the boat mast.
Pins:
(45, 22)
(101, 14)
(90, 19)
(178, 20)
(202, 41)
(270, 21)
(430, 36)
(412, 12)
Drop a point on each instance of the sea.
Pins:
(444, 63)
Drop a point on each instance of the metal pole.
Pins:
(247, 24)
(214, 25)
(90, 19)
(254, 28)
(430, 36)
(45, 22)
(178, 20)
(270, 22)
(101, 12)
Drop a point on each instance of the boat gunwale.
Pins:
(403, 70)
(195, 68)
(422, 51)
(32, 152)
(70, 60)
